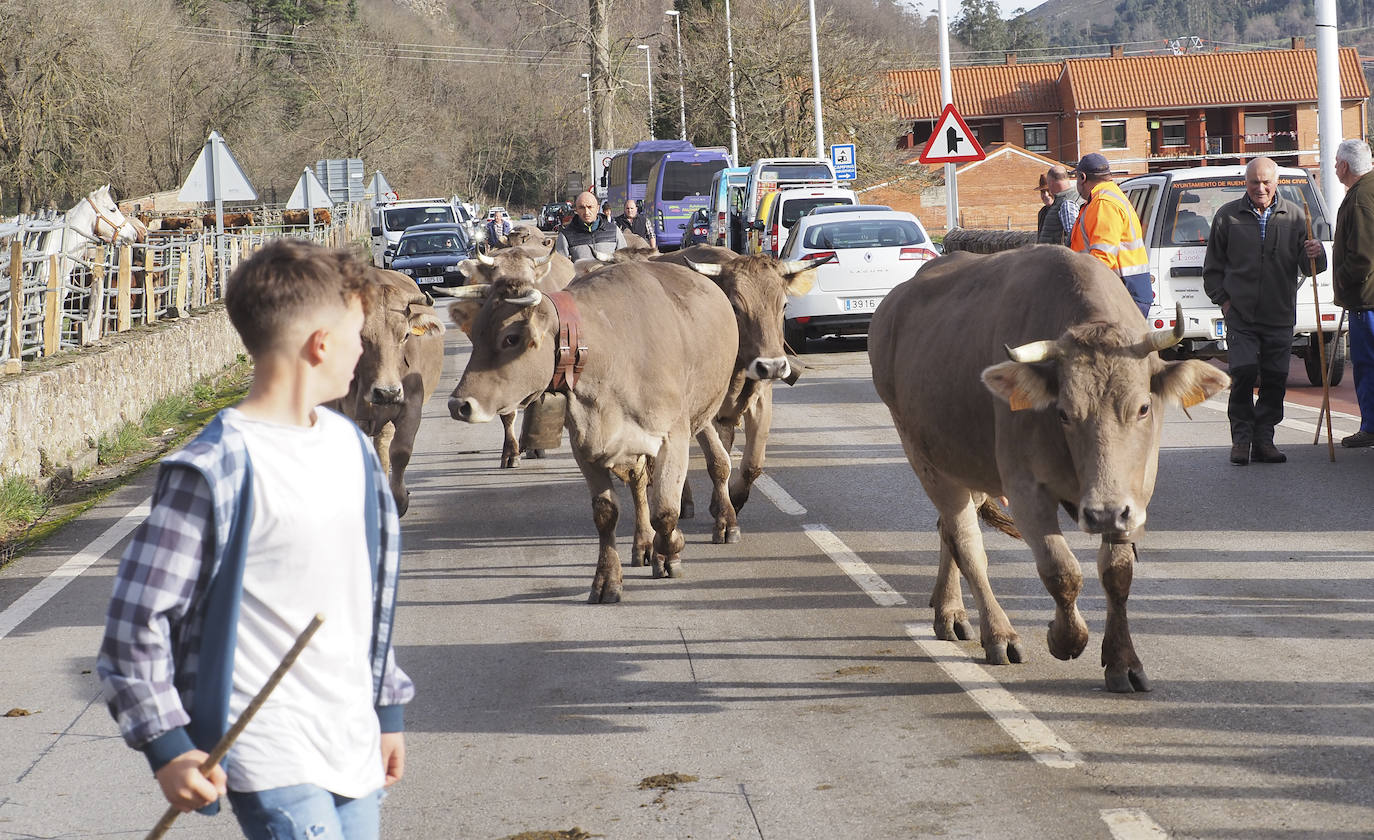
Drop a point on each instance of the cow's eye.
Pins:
(509, 340)
(1144, 411)
(1063, 417)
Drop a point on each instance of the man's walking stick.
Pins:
(217, 754)
(1330, 374)
(1321, 342)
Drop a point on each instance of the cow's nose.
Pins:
(1106, 520)
(386, 394)
(776, 368)
(460, 409)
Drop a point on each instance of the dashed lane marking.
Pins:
(780, 498)
(1132, 824)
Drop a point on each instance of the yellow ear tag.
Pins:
(1020, 400)
(1194, 396)
(417, 330)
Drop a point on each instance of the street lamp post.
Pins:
(591, 144)
(681, 93)
(816, 86)
(649, 70)
(730, 62)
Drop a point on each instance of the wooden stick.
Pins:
(1321, 341)
(217, 754)
(1330, 371)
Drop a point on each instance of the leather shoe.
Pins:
(1358, 440)
(1240, 454)
(1266, 453)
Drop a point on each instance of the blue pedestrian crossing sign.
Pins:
(846, 167)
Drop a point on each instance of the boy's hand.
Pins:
(185, 787)
(393, 756)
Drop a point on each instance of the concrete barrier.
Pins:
(52, 414)
(986, 241)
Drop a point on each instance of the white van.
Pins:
(769, 174)
(389, 221)
(1176, 209)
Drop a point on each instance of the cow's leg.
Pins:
(687, 508)
(947, 598)
(381, 442)
(607, 584)
(670, 470)
(1116, 567)
(1037, 517)
(758, 419)
(637, 479)
(510, 449)
(726, 529)
(959, 532)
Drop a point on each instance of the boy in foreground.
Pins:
(278, 510)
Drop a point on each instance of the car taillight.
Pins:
(917, 254)
(819, 255)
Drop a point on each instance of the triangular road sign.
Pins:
(951, 141)
(309, 193)
(216, 170)
(379, 189)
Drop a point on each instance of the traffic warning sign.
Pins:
(952, 141)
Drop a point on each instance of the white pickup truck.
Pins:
(1176, 209)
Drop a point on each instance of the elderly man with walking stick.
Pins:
(1352, 258)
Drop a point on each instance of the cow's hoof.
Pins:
(721, 536)
(659, 566)
(510, 463)
(609, 594)
(1125, 680)
(953, 629)
(1066, 644)
(535, 453)
(1004, 653)
(673, 567)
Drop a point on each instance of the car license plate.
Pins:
(1218, 328)
(863, 304)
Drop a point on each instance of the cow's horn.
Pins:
(708, 269)
(484, 259)
(1163, 338)
(602, 258)
(789, 267)
(531, 298)
(544, 259)
(1035, 351)
(477, 290)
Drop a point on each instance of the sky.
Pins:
(927, 7)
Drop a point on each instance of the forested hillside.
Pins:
(478, 97)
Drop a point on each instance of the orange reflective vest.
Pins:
(1109, 229)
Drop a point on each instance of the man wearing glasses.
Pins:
(589, 233)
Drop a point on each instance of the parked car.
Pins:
(790, 205)
(551, 216)
(389, 221)
(727, 205)
(873, 250)
(698, 229)
(430, 254)
(1176, 209)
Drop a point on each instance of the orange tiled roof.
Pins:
(992, 90)
(1177, 81)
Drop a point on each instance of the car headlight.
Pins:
(451, 269)
(409, 271)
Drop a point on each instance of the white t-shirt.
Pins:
(307, 554)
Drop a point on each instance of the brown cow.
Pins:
(299, 218)
(170, 223)
(1073, 420)
(660, 341)
(526, 235)
(515, 266)
(402, 360)
(232, 221)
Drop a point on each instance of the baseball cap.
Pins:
(1094, 164)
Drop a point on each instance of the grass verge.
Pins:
(28, 514)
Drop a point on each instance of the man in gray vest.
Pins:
(1063, 211)
(589, 233)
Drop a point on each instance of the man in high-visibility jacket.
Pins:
(1109, 229)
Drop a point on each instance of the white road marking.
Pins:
(1341, 422)
(33, 600)
(1034, 737)
(778, 496)
(1132, 824)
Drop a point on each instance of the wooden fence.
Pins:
(56, 303)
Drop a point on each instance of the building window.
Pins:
(1113, 134)
(1173, 133)
(1037, 137)
(1257, 129)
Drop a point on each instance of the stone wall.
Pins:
(986, 241)
(52, 413)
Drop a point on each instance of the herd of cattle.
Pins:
(1057, 405)
(236, 220)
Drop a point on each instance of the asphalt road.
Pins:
(790, 684)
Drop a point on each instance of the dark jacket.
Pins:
(1260, 279)
(1059, 218)
(1352, 254)
(578, 241)
(639, 227)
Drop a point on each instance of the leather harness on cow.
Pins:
(570, 353)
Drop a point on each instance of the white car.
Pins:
(875, 248)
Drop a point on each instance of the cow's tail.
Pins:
(993, 515)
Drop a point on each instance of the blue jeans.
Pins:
(1362, 364)
(307, 812)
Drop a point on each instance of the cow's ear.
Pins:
(1022, 385)
(426, 322)
(1188, 383)
(799, 284)
(463, 312)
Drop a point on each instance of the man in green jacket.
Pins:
(1257, 246)
(1352, 256)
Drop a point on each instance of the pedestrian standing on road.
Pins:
(1046, 199)
(634, 222)
(589, 233)
(1109, 229)
(1062, 211)
(1257, 247)
(498, 228)
(1352, 258)
(277, 511)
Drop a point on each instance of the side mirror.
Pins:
(1322, 230)
(376, 231)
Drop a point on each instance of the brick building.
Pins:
(1145, 113)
